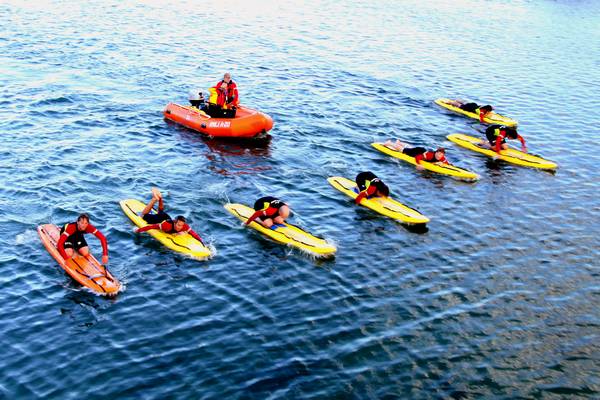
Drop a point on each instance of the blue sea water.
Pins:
(497, 299)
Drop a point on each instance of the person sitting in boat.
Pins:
(162, 221)
(419, 153)
(369, 185)
(269, 211)
(229, 89)
(497, 135)
(224, 98)
(72, 239)
(474, 108)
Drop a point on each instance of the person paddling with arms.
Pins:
(162, 221)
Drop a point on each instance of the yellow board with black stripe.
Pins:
(287, 233)
(383, 205)
(491, 118)
(440, 168)
(509, 155)
(182, 243)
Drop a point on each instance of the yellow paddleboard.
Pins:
(509, 155)
(383, 205)
(286, 233)
(491, 118)
(440, 168)
(184, 243)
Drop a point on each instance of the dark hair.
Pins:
(83, 216)
(383, 189)
(486, 108)
(511, 132)
(441, 150)
(180, 218)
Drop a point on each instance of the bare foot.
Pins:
(156, 193)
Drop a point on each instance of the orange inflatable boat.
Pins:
(248, 123)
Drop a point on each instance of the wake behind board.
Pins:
(184, 243)
(87, 271)
(383, 205)
(440, 168)
(491, 118)
(287, 233)
(509, 155)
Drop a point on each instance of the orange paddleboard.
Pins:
(88, 272)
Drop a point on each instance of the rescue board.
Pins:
(440, 168)
(512, 156)
(87, 271)
(491, 118)
(286, 233)
(383, 205)
(181, 243)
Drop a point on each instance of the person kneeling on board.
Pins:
(162, 221)
(270, 211)
(224, 98)
(369, 185)
(482, 111)
(419, 153)
(71, 239)
(497, 135)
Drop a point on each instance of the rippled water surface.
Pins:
(497, 299)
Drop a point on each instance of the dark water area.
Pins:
(498, 298)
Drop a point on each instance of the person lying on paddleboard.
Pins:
(71, 239)
(269, 211)
(419, 153)
(482, 111)
(162, 221)
(369, 185)
(497, 135)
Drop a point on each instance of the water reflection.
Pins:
(231, 156)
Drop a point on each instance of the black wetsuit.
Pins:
(75, 240)
(156, 217)
(470, 107)
(413, 151)
(270, 205)
(492, 132)
(365, 179)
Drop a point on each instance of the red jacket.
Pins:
(169, 227)
(230, 95)
(500, 138)
(429, 156)
(71, 228)
(370, 191)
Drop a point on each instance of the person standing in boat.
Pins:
(224, 98)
